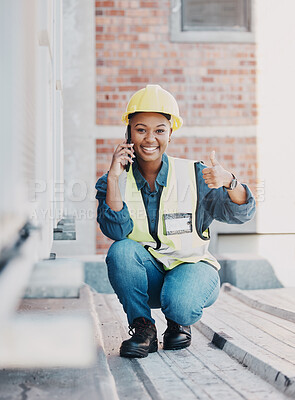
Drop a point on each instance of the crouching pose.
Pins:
(158, 209)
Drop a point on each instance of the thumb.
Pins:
(212, 159)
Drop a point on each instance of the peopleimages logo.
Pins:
(260, 191)
(75, 190)
(56, 214)
(78, 190)
(53, 199)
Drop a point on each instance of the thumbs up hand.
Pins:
(216, 176)
(212, 158)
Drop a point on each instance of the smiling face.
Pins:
(150, 133)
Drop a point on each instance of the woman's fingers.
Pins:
(125, 151)
(125, 146)
(124, 159)
(211, 183)
(210, 177)
(123, 154)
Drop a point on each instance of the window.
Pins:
(212, 21)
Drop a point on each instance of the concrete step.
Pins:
(30, 341)
(259, 340)
(225, 324)
(247, 271)
(279, 302)
(56, 278)
(68, 371)
(36, 338)
(255, 339)
(201, 371)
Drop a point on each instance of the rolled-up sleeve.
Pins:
(216, 204)
(116, 225)
(220, 206)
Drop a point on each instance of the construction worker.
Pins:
(158, 214)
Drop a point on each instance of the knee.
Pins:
(120, 251)
(118, 261)
(123, 256)
(182, 310)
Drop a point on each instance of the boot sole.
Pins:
(136, 352)
(178, 346)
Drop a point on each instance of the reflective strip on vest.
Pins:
(178, 199)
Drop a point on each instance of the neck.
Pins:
(149, 170)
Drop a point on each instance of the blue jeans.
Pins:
(141, 283)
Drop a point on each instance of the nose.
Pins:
(150, 137)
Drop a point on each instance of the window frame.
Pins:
(207, 36)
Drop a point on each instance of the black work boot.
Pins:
(176, 336)
(143, 341)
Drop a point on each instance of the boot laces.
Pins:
(139, 327)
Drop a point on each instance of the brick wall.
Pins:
(235, 154)
(214, 84)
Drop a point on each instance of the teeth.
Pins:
(150, 148)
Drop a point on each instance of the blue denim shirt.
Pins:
(213, 204)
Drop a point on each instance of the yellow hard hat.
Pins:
(153, 98)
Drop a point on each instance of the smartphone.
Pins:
(128, 138)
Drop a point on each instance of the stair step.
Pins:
(62, 377)
(56, 278)
(279, 302)
(263, 342)
(201, 371)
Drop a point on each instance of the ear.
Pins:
(170, 133)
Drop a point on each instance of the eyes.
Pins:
(158, 131)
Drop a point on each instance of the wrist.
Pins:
(232, 183)
(227, 179)
(112, 178)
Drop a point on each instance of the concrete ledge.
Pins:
(247, 298)
(48, 333)
(59, 352)
(247, 271)
(36, 340)
(258, 341)
(56, 278)
(273, 375)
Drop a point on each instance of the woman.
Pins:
(159, 213)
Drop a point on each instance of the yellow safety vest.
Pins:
(179, 240)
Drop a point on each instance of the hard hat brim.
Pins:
(176, 122)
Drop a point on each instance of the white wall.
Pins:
(31, 117)
(276, 125)
(79, 124)
(275, 33)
